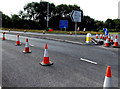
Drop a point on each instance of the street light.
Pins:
(48, 14)
(47, 18)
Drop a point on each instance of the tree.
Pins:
(117, 24)
(98, 25)
(0, 19)
(6, 21)
(37, 12)
(16, 21)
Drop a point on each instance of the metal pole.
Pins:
(65, 28)
(75, 29)
(48, 14)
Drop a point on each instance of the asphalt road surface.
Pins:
(24, 70)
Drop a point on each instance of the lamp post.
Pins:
(48, 14)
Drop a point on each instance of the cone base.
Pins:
(3, 39)
(106, 46)
(111, 43)
(116, 46)
(43, 64)
(27, 52)
(18, 44)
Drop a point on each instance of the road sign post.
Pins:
(75, 29)
(76, 17)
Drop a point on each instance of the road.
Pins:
(23, 70)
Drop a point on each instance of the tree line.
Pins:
(34, 16)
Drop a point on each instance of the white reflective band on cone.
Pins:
(26, 44)
(45, 53)
(107, 82)
(116, 40)
(18, 39)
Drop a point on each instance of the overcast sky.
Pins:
(97, 9)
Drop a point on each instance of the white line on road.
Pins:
(31, 45)
(88, 61)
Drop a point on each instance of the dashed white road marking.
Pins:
(104, 47)
(83, 59)
(31, 45)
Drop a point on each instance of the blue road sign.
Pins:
(105, 31)
(63, 24)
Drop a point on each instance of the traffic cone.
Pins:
(106, 43)
(111, 39)
(46, 61)
(18, 41)
(96, 36)
(3, 38)
(26, 49)
(108, 78)
(116, 42)
(101, 36)
(106, 37)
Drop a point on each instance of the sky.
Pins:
(97, 9)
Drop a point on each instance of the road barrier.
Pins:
(3, 38)
(46, 61)
(108, 79)
(18, 41)
(27, 49)
(94, 41)
(88, 38)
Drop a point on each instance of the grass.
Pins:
(57, 31)
(114, 32)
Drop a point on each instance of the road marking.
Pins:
(104, 47)
(0, 87)
(88, 61)
(31, 45)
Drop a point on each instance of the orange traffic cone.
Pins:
(106, 43)
(96, 36)
(3, 38)
(46, 61)
(111, 39)
(108, 78)
(116, 42)
(18, 41)
(106, 37)
(101, 36)
(26, 49)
